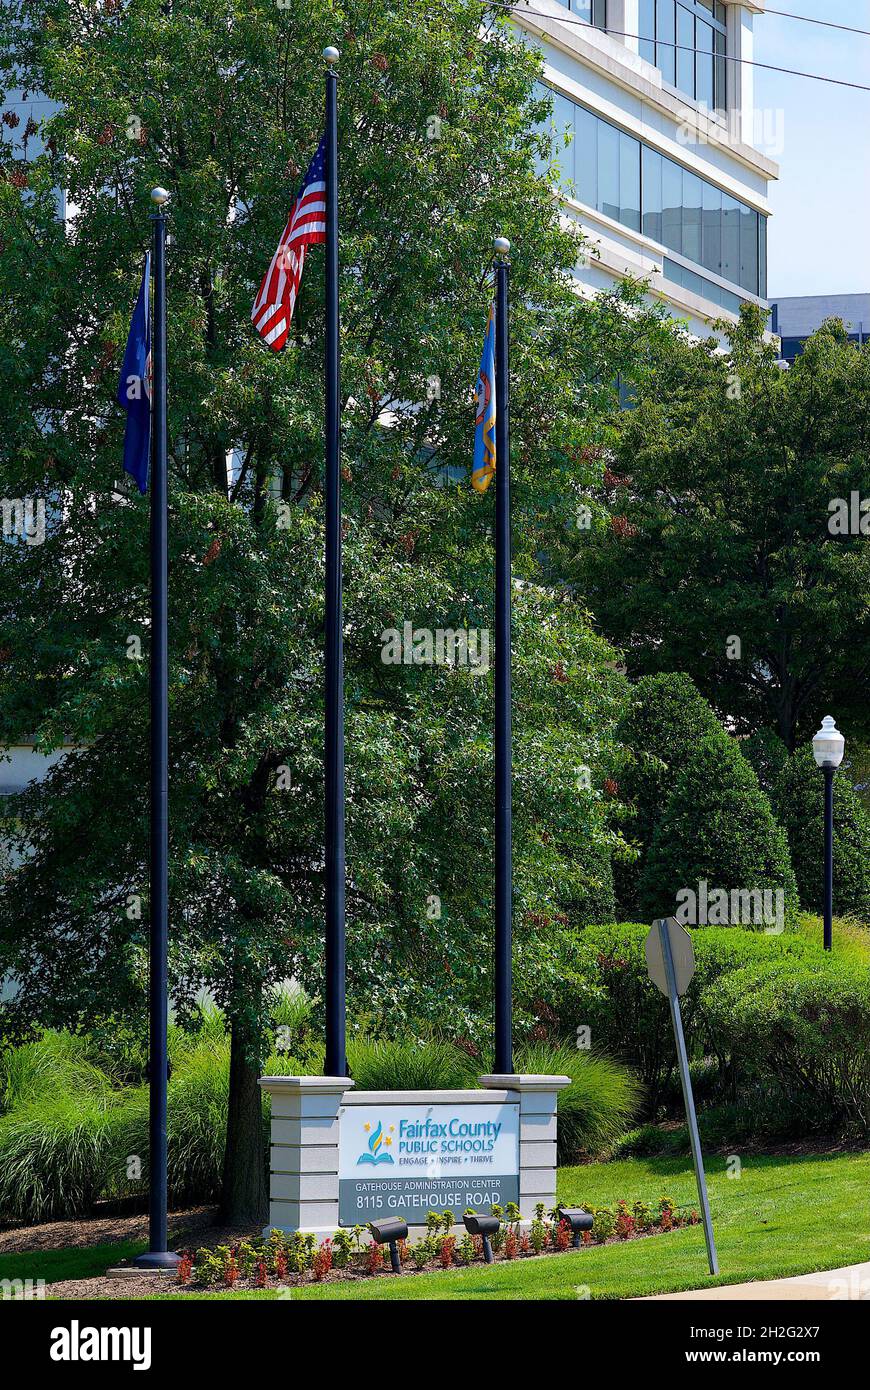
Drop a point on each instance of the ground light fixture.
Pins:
(828, 746)
(485, 1227)
(579, 1220)
(389, 1232)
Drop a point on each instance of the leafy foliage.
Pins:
(717, 826)
(596, 1108)
(799, 804)
(809, 1029)
(665, 715)
(767, 755)
(148, 94)
(723, 482)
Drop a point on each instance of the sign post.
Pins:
(670, 960)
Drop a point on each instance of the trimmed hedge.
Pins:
(805, 1026)
(717, 826)
(799, 805)
(604, 985)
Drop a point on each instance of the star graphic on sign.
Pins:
(392, 1129)
(388, 1142)
(367, 1127)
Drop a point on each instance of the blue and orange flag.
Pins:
(484, 434)
(134, 388)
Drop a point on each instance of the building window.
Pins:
(593, 11)
(620, 176)
(685, 40)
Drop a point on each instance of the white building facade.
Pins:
(662, 169)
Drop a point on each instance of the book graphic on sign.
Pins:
(379, 1146)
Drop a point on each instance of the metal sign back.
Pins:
(682, 954)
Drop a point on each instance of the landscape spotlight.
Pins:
(483, 1226)
(388, 1232)
(579, 1221)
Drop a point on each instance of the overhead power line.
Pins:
(522, 7)
(811, 19)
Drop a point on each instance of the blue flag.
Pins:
(134, 388)
(484, 435)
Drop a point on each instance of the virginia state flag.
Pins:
(134, 388)
(484, 434)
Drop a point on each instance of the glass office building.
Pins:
(653, 119)
(629, 181)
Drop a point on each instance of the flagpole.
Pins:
(158, 1257)
(503, 846)
(335, 1063)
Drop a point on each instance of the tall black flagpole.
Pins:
(335, 1063)
(158, 1257)
(503, 846)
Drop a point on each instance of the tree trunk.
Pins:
(244, 1199)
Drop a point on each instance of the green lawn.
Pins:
(781, 1216)
(76, 1262)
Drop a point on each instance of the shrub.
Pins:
(70, 1135)
(717, 826)
(604, 985)
(599, 1104)
(799, 806)
(767, 755)
(409, 1065)
(56, 1063)
(808, 1029)
(292, 1018)
(597, 903)
(55, 1156)
(666, 714)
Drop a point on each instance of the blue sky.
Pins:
(820, 226)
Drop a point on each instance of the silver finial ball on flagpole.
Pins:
(331, 56)
(160, 196)
(502, 246)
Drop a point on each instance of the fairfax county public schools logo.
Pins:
(379, 1145)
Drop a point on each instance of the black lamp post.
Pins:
(828, 745)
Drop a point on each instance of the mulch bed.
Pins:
(192, 1224)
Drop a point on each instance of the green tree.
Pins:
(664, 717)
(767, 755)
(717, 827)
(439, 135)
(727, 557)
(799, 805)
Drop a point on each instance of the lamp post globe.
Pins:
(828, 746)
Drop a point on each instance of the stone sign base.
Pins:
(317, 1183)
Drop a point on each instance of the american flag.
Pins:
(306, 225)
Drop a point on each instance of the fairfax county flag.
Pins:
(273, 307)
(484, 434)
(134, 388)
